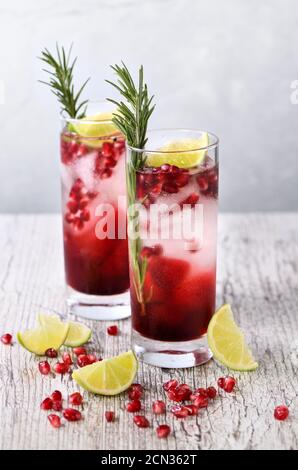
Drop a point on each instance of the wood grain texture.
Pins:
(258, 274)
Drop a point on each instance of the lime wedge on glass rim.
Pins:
(43, 337)
(184, 153)
(110, 376)
(227, 342)
(96, 125)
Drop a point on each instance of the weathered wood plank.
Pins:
(258, 274)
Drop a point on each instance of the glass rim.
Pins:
(178, 129)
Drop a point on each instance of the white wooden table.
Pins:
(258, 274)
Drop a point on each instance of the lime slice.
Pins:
(182, 153)
(51, 335)
(110, 376)
(97, 125)
(227, 341)
(78, 334)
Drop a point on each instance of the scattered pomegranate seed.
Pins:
(159, 407)
(54, 420)
(202, 392)
(180, 411)
(57, 405)
(133, 406)
(201, 402)
(170, 384)
(141, 421)
(230, 383)
(56, 396)
(281, 413)
(61, 368)
(163, 430)
(92, 358)
(80, 350)
(112, 330)
(180, 393)
(192, 409)
(6, 339)
(135, 391)
(44, 367)
(76, 399)
(67, 358)
(83, 360)
(221, 382)
(211, 392)
(46, 404)
(110, 416)
(72, 415)
(51, 352)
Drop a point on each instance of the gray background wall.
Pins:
(226, 66)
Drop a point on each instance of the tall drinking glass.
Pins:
(173, 194)
(94, 216)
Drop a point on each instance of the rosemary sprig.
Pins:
(61, 81)
(132, 118)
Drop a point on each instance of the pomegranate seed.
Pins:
(133, 406)
(76, 398)
(83, 203)
(80, 350)
(56, 396)
(61, 368)
(230, 383)
(107, 149)
(179, 411)
(180, 393)
(92, 358)
(112, 330)
(46, 404)
(163, 430)
(192, 410)
(51, 353)
(69, 218)
(6, 339)
(83, 360)
(54, 420)
(170, 385)
(202, 392)
(72, 206)
(165, 168)
(67, 358)
(159, 407)
(85, 215)
(57, 405)
(221, 382)
(109, 415)
(281, 412)
(107, 173)
(135, 391)
(72, 415)
(44, 367)
(191, 200)
(201, 402)
(211, 392)
(141, 421)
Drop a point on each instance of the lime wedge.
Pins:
(182, 153)
(43, 337)
(78, 334)
(110, 376)
(97, 125)
(227, 341)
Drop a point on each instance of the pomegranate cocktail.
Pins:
(93, 198)
(173, 257)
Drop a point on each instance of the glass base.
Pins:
(98, 307)
(173, 355)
